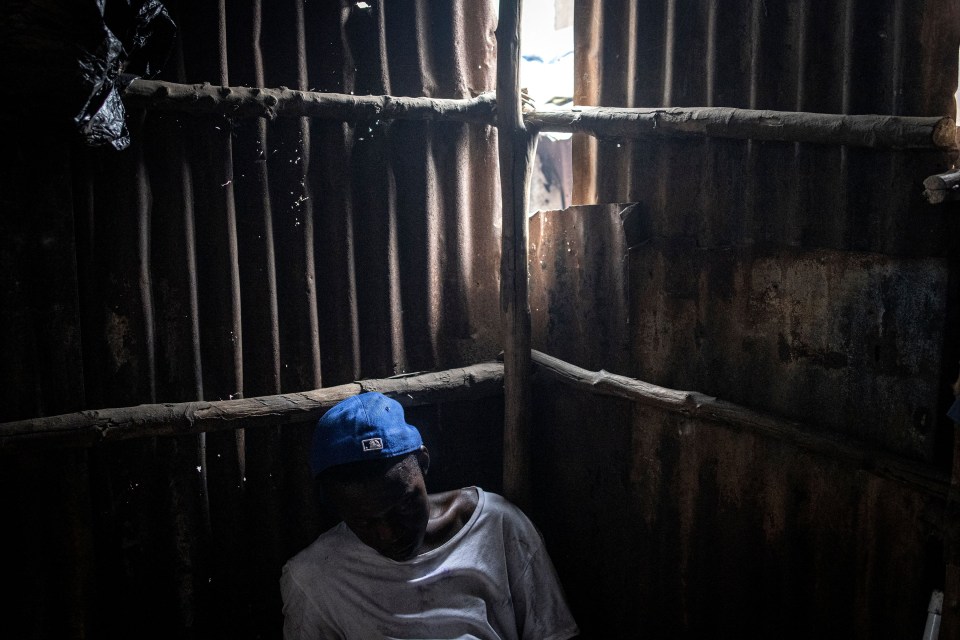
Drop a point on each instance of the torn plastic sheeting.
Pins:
(148, 32)
(108, 125)
(79, 50)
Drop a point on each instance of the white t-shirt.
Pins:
(492, 580)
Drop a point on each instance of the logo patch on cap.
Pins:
(372, 444)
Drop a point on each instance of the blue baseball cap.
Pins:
(368, 426)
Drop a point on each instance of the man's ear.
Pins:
(423, 459)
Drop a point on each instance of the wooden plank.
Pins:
(86, 428)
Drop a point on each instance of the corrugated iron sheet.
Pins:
(666, 527)
(809, 281)
(714, 203)
(578, 287)
(219, 258)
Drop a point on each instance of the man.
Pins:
(408, 564)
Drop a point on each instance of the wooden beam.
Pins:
(871, 131)
(516, 147)
(739, 418)
(86, 428)
(245, 102)
(943, 187)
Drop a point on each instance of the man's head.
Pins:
(369, 464)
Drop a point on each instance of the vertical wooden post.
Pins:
(516, 146)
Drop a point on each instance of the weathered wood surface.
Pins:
(86, 428)
(872, 131)
(244, 102)
(698, 405)
(516, 146)
(943, 187)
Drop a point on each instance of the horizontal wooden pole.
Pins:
(943, 187)
(698, 405)
(86, 428)
(871, 131)
(244, 102)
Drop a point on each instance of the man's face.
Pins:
(388, 513)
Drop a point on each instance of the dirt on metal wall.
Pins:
(666, 527)
(578, 287)
(116, 542)
(853, 342)
(682, 528)
(217, 258)
(846, 341)
(811, 282)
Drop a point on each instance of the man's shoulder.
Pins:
(495, 503)
(513, 520)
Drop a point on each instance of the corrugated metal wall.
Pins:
(811, 282)
(666, 527)
(217, 258)
(854, 326)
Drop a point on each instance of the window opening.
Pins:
(546, 73)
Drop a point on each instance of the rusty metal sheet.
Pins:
(846, 341)
(219, 257)
(666, 527)
(578, 286)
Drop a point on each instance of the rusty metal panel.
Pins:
(217, 257)
(887, 56)
(41, 371)
(665, 527)
(578, 287)
(715, 203)
(694, 529)
(846, 341)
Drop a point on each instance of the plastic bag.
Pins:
(65, 59)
